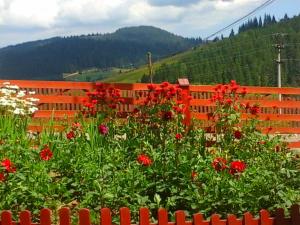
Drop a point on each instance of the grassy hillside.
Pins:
(248, 57)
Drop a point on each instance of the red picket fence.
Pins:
(162, 218)
(60, 99)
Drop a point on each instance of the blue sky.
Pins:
(27, 20)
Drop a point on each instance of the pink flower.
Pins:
(103, 129)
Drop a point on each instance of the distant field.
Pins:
(93, 74)
(133, 76)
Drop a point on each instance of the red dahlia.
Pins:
(178, 136)
(144, 160)
(103, 129)
(219, 164)
(237, 167)
(8, 165)
(46, 154)
(238, 134)
(71, 135)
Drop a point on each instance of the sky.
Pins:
(28, 20)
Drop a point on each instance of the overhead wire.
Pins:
(265, 4)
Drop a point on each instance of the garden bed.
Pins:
(150, 159)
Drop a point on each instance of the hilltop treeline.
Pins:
(248, 57)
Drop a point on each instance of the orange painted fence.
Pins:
(64, 215)
(64, 99)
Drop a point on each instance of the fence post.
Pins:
(185, 86)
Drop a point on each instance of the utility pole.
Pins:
(150, 67)
(279, 46)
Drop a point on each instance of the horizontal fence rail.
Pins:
(61, 99)
(84, 218)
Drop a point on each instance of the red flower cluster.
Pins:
(103, 129)
(8, 166)
(70, 135)
(144, 160)
(237, 167)
(219, 164)
(224, 93)
(108, 97)
(46, 154)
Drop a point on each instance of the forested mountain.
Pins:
(48, 59)
(248, 57)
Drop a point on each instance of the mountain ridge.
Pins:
(48, 59)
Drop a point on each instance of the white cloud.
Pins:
(62, 17)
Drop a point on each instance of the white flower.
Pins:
(31, 92)
(13, 87)
(21, 94)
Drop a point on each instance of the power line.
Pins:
(265, 4)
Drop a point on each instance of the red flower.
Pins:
(144, 160)
(219, 164)
(244, 91)
(70, 135)
(103, 129)
(8, 165)
(194, 175)
(2, 177)
(238, 134)
(237, 167)
(254, 110)
(151, 87)
(178, 136)
(76, 126)
(46, 154)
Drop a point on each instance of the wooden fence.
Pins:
(84, 218)
(64, 99)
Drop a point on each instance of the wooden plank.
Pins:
(55, 113)
(267, 117)
(232, 220)
(250, 89)
(105, 216)
(45, 217)
(248, 219)
(216, 220)
(162, 217)
(64, 216)
(261, 103)
(144, 216)
(198, 219)
(6, 218)
(294, 144)
(295, 215)
(125, 216)
(84, 217)
(180, 217)
(25, 218)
